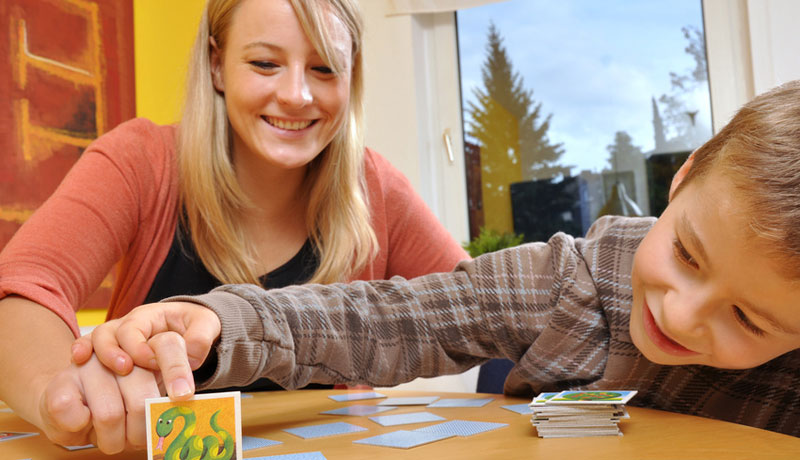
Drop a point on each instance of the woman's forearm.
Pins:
(35, 346)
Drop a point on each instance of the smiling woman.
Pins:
(265, 180)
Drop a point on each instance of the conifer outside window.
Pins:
(577, 108)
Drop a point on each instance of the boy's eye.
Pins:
(263, 64)
(745, 321)
(682, 254)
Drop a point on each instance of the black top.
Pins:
(182, 273)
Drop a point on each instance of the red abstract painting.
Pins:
(68, 78)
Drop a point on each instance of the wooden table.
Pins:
(648, 434)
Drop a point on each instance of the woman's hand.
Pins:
(173, 337)
(90, 404)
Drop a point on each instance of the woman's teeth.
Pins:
(288, 125)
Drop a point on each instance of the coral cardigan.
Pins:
(119, 204)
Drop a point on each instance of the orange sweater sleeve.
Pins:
(61, 254)
(413, 241)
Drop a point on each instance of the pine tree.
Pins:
(627, 162)
(505, 122)
(622, 154)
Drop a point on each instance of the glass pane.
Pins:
(578, 108)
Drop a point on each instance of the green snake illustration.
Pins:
(190, 447)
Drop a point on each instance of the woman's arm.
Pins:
(59, 257)
(101, 212)
(72, 405)
(35, 347)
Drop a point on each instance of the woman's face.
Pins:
(284, 103)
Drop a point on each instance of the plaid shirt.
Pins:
(559, 310)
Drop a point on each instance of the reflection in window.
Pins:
(577, 109)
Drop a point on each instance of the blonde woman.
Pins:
(265, 180)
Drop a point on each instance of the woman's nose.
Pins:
(294, 90)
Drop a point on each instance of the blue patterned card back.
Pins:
(327, 429)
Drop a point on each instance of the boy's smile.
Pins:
(658, 337)
(706, 289)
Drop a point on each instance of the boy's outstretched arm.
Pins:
(173, 337)
(534, 305)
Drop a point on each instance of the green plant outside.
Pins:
(490, 241)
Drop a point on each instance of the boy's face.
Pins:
(704, 291)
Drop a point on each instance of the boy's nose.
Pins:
(294, 90)
(686, 314)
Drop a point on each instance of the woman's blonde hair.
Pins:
(337, 217)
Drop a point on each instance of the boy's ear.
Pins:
(216, 66)
(678, 178)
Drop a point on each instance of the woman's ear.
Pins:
(216, 65)
(680, 175)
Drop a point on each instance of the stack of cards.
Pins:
(572, 414)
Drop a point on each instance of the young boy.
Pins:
(697, 310)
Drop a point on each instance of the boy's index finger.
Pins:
(173, 362)
(133, 342)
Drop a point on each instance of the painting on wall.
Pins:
(68, 78)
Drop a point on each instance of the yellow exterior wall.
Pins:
(164, 32)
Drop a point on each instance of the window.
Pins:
(577, 109)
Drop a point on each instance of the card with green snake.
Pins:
(206, 427)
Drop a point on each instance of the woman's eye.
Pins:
(742, 318)
(263, 64)
(324, 70)
(682, 254)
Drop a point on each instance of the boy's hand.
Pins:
(173, 337)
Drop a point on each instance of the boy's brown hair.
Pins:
(759, 150)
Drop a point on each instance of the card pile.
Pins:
(572, 414)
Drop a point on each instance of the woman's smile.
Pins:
(287, 124)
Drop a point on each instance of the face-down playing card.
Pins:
(254, 442)
(522, 409)
(461, 427)
(465, 402)
(359, 410)
(299, 456)
(326, 429)
(402, 439)
(409, 401)
(357, 396)
(404, 419)
(10, 435)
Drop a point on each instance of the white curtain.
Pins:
(433, 6)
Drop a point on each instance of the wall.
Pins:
(163, 37)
